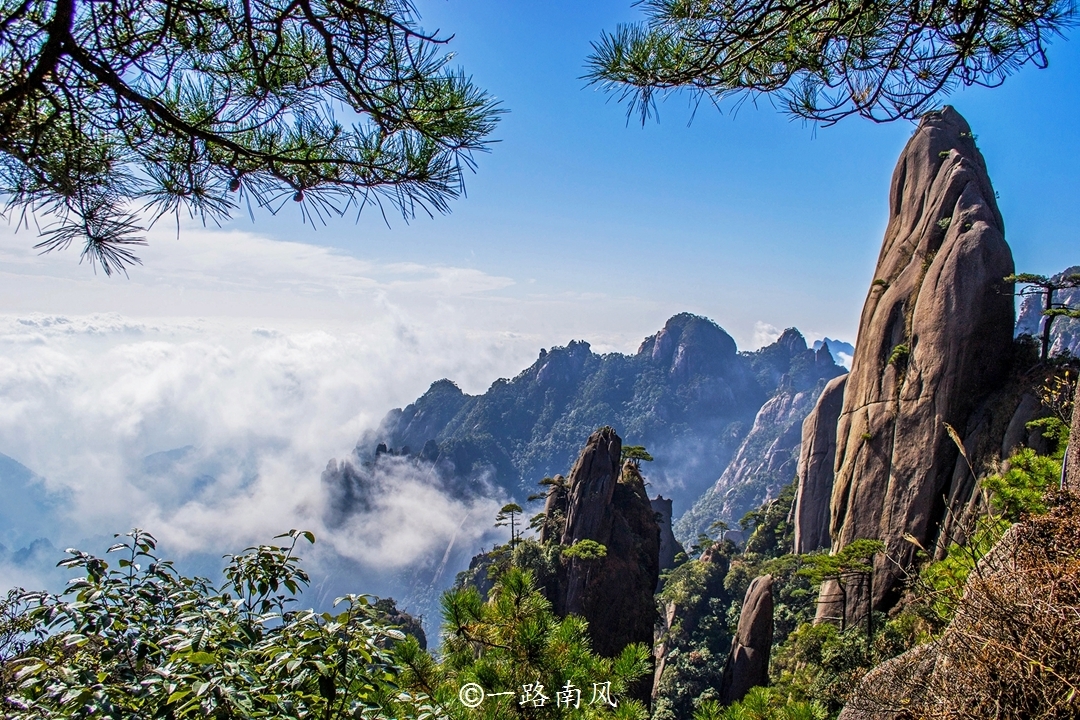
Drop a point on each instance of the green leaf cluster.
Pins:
(201, 106)
(514, 639)
(762, 703)
(140, 640)
(826, 60)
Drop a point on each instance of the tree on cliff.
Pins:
(511, 657)
(636, 454)
(507, 516)
(825, 59)
(115, 112)
(854, 563)
(1041, 285)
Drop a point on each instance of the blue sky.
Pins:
(269, 347)
(744, 216)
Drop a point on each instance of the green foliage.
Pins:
(899, 354)
(770, 534)
(698, 642)
(635, 454)
(762, 703)
(541, 560)
(820, 663)
(587, 550)
(940, 585)
(202, 106)
(708, 596)
(1046, 287)
(1021, 488)
(142, 641)
(853, 559)
(508, 516)
(853, 562)
(514, 640)
(824, 61)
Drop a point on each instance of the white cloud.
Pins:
(268, 359)
(764, 334)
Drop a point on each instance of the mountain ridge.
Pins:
(688, 394)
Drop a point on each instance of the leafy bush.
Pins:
(143, 641)
(762, 703)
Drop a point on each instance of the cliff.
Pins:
(614, 592)
(817, 456)
(767, 458)
(935, 338)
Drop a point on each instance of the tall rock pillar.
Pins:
(748, 662)
(934, 337)
(614, 593)
(817, 457)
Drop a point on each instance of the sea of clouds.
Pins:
(202, 397)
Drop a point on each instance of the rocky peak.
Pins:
(817, 454)
(689, 344)
(748, 663)
(934, 338)
(592, 484)
(615, 592)
(792, 341)
(669, 546)
(561, 365)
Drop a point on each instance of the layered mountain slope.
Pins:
(688, 395)
(768, 456)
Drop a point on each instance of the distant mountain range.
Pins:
(688, 395)
(841, 351)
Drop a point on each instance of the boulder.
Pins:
(748, 663)
(817, 454)
(935, 337)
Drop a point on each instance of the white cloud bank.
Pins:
(266, 359)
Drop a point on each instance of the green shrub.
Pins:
(140, 640)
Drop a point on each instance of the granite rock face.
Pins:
(935, 337)
(768, 457)
(1065, 331)
(614, 593)
(669, 546)
(817, 455)
(748, 664)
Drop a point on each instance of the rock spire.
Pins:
(935, 337)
